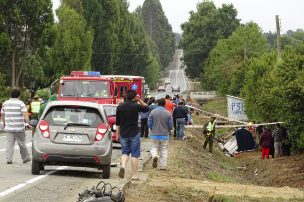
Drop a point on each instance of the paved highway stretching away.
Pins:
(176, 76)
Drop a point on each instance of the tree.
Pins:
(205, 27)
(227, 61)
(278, 89)
(114, 24)
(72, 49)
(104, 18)
(160, 31)
(293, 38)
(23, 22)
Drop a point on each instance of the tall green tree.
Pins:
(72, 49)
(227, 61)
(160, 31)
(121, 45)
(200, 34)
(274, 91)
(104, 18)
(23, 22)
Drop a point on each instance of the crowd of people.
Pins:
(157, 119)
(274, 142)
(176, 105)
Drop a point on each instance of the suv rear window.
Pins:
(61, 116)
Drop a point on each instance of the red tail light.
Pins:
(101, 131)
(44, 128)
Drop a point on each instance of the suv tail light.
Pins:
(101, 131)
(44, 128)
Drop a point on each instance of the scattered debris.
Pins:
(243, 167)
(187, 137)
(102, 192)
(256, 171)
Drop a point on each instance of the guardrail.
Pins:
(203, 95)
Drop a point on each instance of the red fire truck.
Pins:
(88, 87)
(124, 83)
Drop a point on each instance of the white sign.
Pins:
(236, 109)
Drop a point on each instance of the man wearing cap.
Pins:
(209, 132)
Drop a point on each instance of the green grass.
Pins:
(218, 177)
(218, 106)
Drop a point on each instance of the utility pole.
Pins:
(278, 36)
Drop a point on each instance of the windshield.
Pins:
(110, 110)
(61, 116)
(84, 88)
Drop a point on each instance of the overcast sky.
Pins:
(260, 11)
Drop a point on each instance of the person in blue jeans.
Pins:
(180, 117)
(127, 131)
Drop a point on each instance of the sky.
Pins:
(260, 11)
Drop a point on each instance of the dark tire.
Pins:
(35, 167)
(41, 166)
(106, 171)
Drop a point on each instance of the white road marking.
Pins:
(35, 179)
(17, 147)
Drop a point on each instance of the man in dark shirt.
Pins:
(180, 118)
(127, 131)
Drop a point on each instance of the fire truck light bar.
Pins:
(85, 73)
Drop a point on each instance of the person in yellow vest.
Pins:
(209, 132)
(34, 108)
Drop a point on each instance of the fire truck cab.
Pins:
(87, 87)
(124, 83)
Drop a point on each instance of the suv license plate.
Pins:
(72, 138)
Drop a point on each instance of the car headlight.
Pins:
(114, 127)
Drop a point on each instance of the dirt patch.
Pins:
(187, 160)
(195, 175)
(278, 172)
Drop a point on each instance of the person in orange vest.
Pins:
(169, 104)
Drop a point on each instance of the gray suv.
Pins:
(74, 134)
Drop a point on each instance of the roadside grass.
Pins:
(218, 177)
(217, 105)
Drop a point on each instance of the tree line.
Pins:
(240, 60)
(95, 35)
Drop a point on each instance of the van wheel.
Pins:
(106, 171)
(35, 167)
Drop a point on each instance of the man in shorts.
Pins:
(127, 131)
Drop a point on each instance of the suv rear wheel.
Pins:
(35, 167)
(106, 171)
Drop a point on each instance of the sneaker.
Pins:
(121, 173)
(154, 163)
(28, 159)
(163, 169)
(9, 162)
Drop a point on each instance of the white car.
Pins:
(175, 89)
(161, 88)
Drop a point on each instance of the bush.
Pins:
(25, 95)
(44, 93)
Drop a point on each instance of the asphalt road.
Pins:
(176, 77)
(56, 183)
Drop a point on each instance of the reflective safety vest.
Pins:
(35, 107)
(210, 126)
